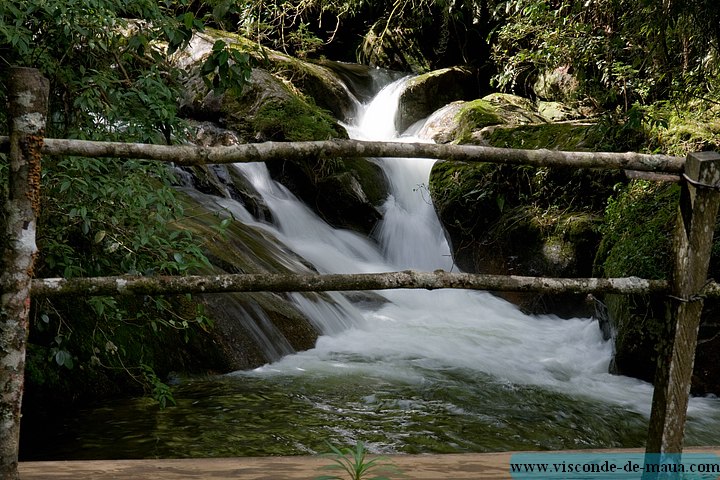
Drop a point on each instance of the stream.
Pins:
(402, 371)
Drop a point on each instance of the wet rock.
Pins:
(521, 220)
(248, 329)
(224, 180)
(428, 92)
(346, 193)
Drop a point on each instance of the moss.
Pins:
(637, 231)
(557, 136)
(472, 116)
(295, 120)
(678, 132)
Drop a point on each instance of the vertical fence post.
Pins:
(693, 239)
(27, 107)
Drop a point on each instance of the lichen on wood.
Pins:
(258, 152)
(28, 98)
(293, 282)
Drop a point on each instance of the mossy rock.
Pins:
(493, 228)
(467, 200)
(313, 80)
(523, 220)
(507, 121)
(637, 242)
(457, 121)
(293, 120)
(554, 136)
(637, 231)
(514, 110)
(427, 93)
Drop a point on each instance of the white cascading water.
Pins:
(403, 371)
(414, 335)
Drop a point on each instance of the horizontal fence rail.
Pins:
(292, 282)
(187, 155)
(699, 175)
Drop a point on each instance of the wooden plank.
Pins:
(466, 466)
(460, 466)
(693, 237)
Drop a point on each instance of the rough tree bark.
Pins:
(258, 152)
(290, 282)
(28, 97)
(693, 239)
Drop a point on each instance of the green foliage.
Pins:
(355, 465)
(627, 130)
(622, 51)
(111, 78)
(111, 217)
(107, 61)
(637, 231)
(226, 69)
(160, 391)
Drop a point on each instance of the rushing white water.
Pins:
(414, 336)
(402, 371)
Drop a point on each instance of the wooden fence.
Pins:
(699, 175)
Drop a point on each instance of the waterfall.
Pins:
(412, 334)
(401, 370)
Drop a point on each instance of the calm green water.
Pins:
(247, 416)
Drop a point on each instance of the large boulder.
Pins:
(312, 79)
(346, 193)
(426, 93)
(469, 122)
(521, 220)
(504, 220)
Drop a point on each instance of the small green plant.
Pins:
(355, 465)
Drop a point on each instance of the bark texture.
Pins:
(291, 282)
(28, 94)
(693, 239)
(259, 152)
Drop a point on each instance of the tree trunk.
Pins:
(28, 97)
(260, 152)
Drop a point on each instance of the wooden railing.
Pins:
(699, 175)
